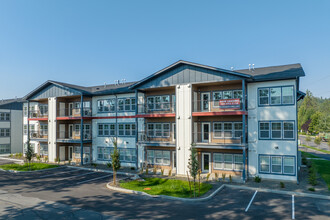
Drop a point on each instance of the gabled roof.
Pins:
(182, 62)
(289, 71)
(14, 104)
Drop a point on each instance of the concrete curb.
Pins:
(166, 197)
(17, 160)
(316, 196)
(32, 171)
(105, 171)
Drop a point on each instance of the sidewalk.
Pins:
(315, 152)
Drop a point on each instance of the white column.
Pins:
(52, 129)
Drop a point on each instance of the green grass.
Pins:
(323, 168)
(25, 167)
(308, 155)
(314, 148)
(168, 187)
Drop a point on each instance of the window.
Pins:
(216, 98)
(151, 131)
(106, 129)
(77, 152)
(4, 148)
(4, 132)
(217, 129)
(159, 157)
(25, 110)
(106, 105)
(166, 130)
(44, 129)
(126, 130)
(281, 95)
(288, 165)
(264, 130)
(227, 94)
(228, 129)
(288, 130)
(77, 130)
(103, 153)
(238, 94)
(158, 102)
(121, 130)
(238, 126)
(275, 96)
(217, 161)
(264, 96)
(228, 161)
(25, 129)
(238, 162)
(158, 130)
(264, 164)
(276, 130)
(287, 95)
(44, 149)
(4, 116)
(120, 104)
(276, 164)
(43, 109)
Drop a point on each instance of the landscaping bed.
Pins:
(27, 167)
(164, 186)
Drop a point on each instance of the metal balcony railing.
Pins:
(154, 108)
(218, 138)
(217, 105)
(38, 114)
(74, 112)
(162, 137)
(39, 134)
(65, 135)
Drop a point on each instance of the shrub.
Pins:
(230, 178)
(304, 160)
(20, 155)
(38, 158)
(216, 176)
(311, 189)
(16, 155)
(312, 178)
(154, 170)
(308, 139)
(329, 143)
(162, 171)
(208, 176)
(282, 185)
(223, 177)
(46, 158)
(317, 140)
(109, 165)
(170, 172)
(11, 155)
(257, 179)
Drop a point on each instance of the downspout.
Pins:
(116, 118)
(28, 124)
(136, 129)
(297, 87)
(244, 130)
(81, 130)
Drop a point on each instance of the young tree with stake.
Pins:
(115, 161)
(193, 165)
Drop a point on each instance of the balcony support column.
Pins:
(81, 130)
(244, 164)
(136, 129)
(28, 124)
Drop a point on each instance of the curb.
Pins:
(316, 196)
(166, 197)
(32, 171)
(105, 171)
(17, 160)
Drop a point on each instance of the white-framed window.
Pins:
(126, 130)
(158, 130)
(44, 129)
(25, 111)
(77, 152)
(4, 132)
(264, 96)
(106, 105)
(276, 130)
(228, 161)
(281, 95)
(276, 164)
(44, 149)
(217, 96)
(43, 108)
(288, 165)
(217, 161)
(288, 130)
(120, 104)
(287, 95)
(4, 116)
(264, 130)
(264, 164)
(158, 102)
(238, 129)
(103, 153)
(159, 157)
(166, 130)
(238, 94)
(150, 156)
(228, 129)
(126, 104)
(275, 96)
(217, 129)
(238, 158)
(25, 129)
(227, 94)
(4, 148)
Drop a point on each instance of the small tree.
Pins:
(115, 161)
(29, 155)
(193, 165)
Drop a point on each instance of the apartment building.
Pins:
(241, 122)
(11, 122)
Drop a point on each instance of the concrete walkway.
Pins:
(16, 206)
(315, 152)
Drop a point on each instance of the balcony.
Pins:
(156, 108)
(74, 112)
(38, 114)
(39, 134)
(156, 139)
(218, 139)
(73, 136)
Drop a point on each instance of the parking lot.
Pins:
(86, 189)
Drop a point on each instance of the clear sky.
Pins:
(92, 42)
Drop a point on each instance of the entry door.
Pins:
(205, 132)
(62, 153)
(205, 101)
(70, 152)
(174, 159)
(62, 131)
(206, 167)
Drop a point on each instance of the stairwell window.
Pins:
(275, 96)
(264, 162)
(288, 165)
(264, 96)
(276, 130)
(281, 95)
(288, 128)
(264, 130)
(276, 164)
(287, 95)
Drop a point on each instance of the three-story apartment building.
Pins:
(241, 122)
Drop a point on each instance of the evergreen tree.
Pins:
(193, 165)
(115, 161)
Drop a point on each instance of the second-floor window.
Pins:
(281, 95)
(106, 105)
(158, 102)
(276, 130)
(158, 129)
(43, 129)
(106, 130)
(228, 94)
(4, 132)
(126, 129)
(227, 129)
(4, 116)
(126, 104)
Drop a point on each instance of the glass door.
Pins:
(205, 101)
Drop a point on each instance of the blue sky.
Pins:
(92, 42)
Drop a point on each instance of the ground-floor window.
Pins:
(125, 154)
(277, 164)
(4, 148)
(77, 152)
(44, 149)
(159, 157)
(227, 161)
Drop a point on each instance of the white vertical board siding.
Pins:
(52, 129)
(184, 126)
(269, 113)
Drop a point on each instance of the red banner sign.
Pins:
(229, 103)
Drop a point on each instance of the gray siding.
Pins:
(185, 74)
(54, 91)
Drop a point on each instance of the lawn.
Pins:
(314, 148)
(25, 167)
(168, 187)
(323, 168)
(308, 155)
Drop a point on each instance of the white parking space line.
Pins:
(86, 181)
(54, 174)
(254, 195)
(293, 207)
(84, 174)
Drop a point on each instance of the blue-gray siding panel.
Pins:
(187, 74)
(54, 91)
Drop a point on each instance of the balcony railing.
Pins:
(65, 135)
(215, 138)
(154, 108)
(217, 105)
(41, 134)
(74, 112)
(161, 138)
(38, 114)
